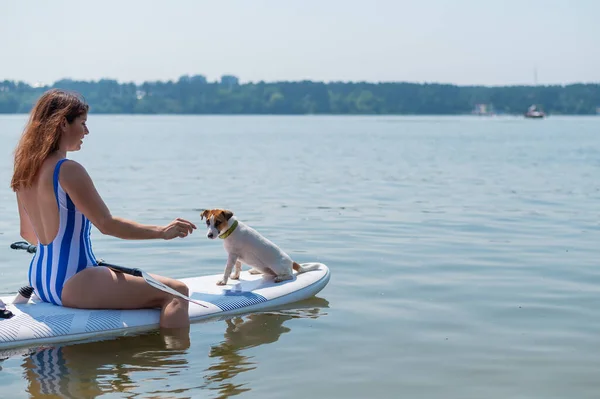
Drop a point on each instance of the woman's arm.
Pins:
(78, 184)
(27, 231)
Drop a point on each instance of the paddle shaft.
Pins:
(33, 249)
(121, 269)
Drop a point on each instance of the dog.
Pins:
(244, 244)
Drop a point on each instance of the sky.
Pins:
(462, 42)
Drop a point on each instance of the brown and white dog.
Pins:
(244, 244)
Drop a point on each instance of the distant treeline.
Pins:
(195, 95)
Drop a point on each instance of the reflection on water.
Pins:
(249, 331)
(90, 369)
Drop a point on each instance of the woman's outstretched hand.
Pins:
(178, 228)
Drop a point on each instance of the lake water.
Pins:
(464, 251)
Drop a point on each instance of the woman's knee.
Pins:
(177, 285)
(181, 287)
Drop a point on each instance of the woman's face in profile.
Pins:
(74, 133)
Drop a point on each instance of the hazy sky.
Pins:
(491, 42)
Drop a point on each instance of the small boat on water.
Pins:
(534, 112)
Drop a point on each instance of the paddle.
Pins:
(121, 269)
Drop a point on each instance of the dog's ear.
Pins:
(228, 214)
(204, 214)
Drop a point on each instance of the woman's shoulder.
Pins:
(69, 164)
(50, 165)
(71, 170)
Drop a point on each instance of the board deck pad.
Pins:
(40, 323)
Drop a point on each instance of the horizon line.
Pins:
(39, 84)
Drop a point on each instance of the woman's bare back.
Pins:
(39, 202)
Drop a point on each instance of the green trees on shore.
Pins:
(195, 95)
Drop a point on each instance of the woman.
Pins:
(57, 201)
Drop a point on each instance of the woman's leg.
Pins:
(102, 288)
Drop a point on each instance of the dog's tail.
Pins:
(304, 269)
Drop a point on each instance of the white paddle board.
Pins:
(40, 323)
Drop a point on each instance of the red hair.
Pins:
(42, 133)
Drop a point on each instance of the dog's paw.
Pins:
(235, 276)
(221, 282)
(255, 271)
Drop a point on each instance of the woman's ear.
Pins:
(63, 125)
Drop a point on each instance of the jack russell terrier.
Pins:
(244, 244)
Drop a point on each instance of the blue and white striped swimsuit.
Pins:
(67, 255)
